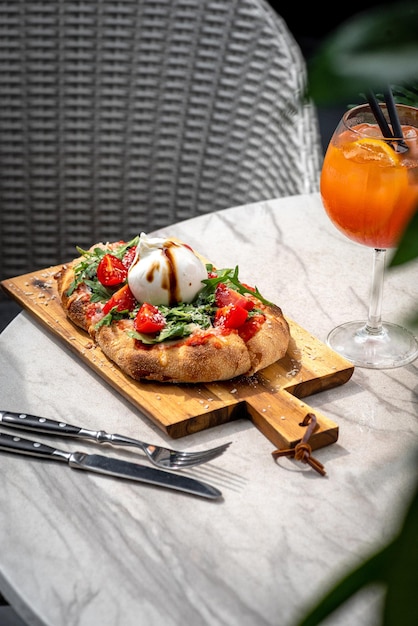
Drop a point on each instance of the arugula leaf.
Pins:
(199, 313)
(99, 293)
(86, 270)
(171, 331)
(112, 316)
(120, 252)
(230, 278)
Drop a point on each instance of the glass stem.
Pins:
(374, 320)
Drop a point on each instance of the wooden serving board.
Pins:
(271, 398)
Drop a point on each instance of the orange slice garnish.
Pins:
(371, 149)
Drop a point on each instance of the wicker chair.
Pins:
(124, 116)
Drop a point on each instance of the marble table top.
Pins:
(77, 549)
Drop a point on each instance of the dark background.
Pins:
(312, 22)
(310, 25)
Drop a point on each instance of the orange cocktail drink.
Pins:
(369, 188)
(369, 185)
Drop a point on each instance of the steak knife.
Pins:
(110, 466)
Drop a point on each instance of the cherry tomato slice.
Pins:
(230, 316)
(128, 257)
(149, 320)
(224, 296)
(111, 271)
(123, 299)
(251, 327)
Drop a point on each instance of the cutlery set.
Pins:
(161, 457)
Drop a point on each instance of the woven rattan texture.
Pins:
(121, 117)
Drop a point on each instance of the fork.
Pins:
(158, 455)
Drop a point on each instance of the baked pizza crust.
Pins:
(211, 355)
(220, 358)
(270, 343)
(75, 304)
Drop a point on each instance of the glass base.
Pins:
(394, 346)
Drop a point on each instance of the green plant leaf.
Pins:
(394, 566)
(408, 246)
(406, 251)
(401, 596)
(373, 570)
(369, 51)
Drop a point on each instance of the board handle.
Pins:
(280, 418)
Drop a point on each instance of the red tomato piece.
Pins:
(123, 299)
(111, 271)
(149, 319)
(224, 296)
(128, 257)
(198, 340)
(230, 316)
(251, 326)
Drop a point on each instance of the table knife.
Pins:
(110, 466)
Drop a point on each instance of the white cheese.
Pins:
(165, 272)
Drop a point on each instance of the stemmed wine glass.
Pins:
(369, 188)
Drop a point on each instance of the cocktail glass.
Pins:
(369, 188)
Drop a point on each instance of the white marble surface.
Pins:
(83, 550)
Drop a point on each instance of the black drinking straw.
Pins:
(394, 120)
(380, 118)
(393, 114)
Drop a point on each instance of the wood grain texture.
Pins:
(272, 398)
